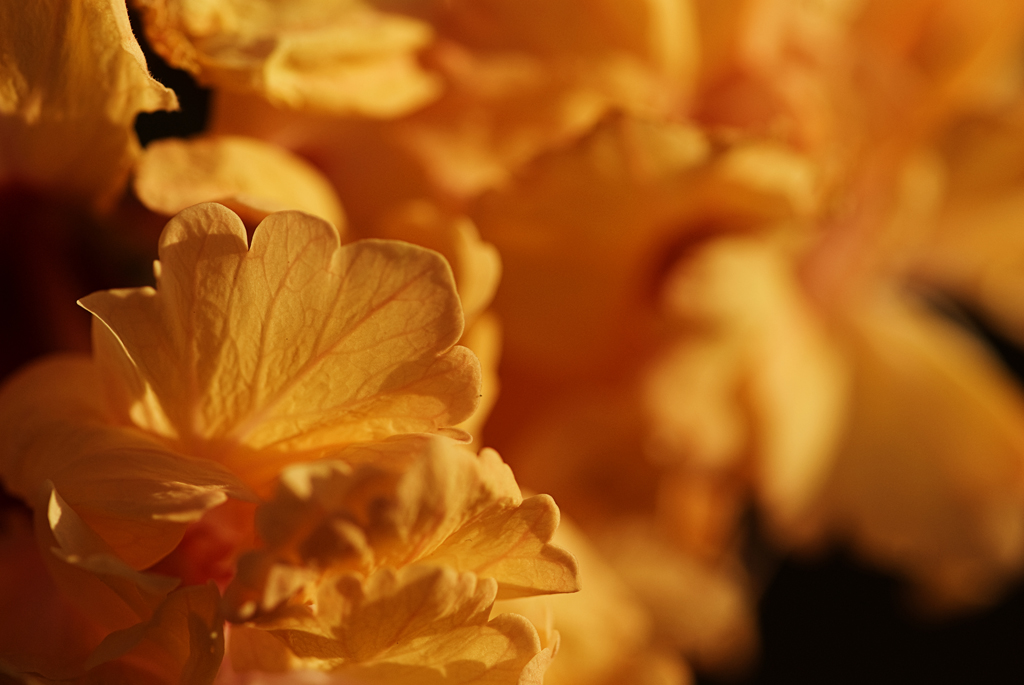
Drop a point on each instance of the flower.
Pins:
(241, 361)
(385, 561)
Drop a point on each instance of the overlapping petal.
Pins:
(419, 624)
(415, 536)
(296, 343)
(133, 491)
(402, 501)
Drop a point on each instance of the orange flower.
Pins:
(243, 360)
(388, 560)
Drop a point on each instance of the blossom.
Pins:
(241, 361)
(384, 562)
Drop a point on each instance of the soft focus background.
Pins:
(828, 619)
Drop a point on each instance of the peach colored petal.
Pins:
(249, 176)
(43, 632)
(182, 643)
(605, 633)
(338, 56)
(484, 338)
(71, 82)
(419, 624)
(589, 228)
(397, 502)
(977, 254)
(476, 264)
(930, 478)
(132, 491)
(750, 336)
(296, 343)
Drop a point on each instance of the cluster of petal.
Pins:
(242, 360)
(415, 537)
(72, 79)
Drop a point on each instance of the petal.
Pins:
(513, 548)
(930, 478)
(483, 338)
(587, 229)
(297, 343)
(604, 634)
(72, 80)
(705, 610)
(414, 499)
(749, 336)
(418, 624)
(398, 502)
(136, 494)
(337, 56)
(252, 177)
(476, 264)
(43, 631)
(182, 643)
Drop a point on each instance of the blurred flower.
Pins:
(73, 80)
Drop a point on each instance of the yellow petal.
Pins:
(402, 501)
(603, 629)
(930, 479)
(580, 233)
(704, 610)
(476, 264)
(338, 56)
(296, 343)
(252, 177)
(483, 337)
(414, 625)
(71, 82)
(131, 490)
(749, 337)
(513, 548)
(44, 631)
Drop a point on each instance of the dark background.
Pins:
(830, 620)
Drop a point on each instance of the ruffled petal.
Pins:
(419, 624)
(296, 343)
(407, 500)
